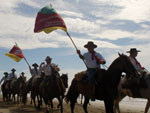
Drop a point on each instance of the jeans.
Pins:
(91, 75)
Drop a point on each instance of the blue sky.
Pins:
(114, 25)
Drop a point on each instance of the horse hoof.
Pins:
(38, 108)
(47, 111)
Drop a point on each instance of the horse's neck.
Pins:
(114, 73)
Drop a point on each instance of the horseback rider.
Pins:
(137, 81)
(35, 71)
(93, 61)
(12, 75)
(48, 68)
(133, 54)
(5, 78)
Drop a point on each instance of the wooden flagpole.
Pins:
(75, 46)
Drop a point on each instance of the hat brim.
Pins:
(133, 51)
(35, 65)
(87, 46)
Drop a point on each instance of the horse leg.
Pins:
(33, 98)
(147, 106)
(39, 102)
(109, 105)
(60, 103)
(81, 98)
(86, 101)
(73, 101)
(116, 106)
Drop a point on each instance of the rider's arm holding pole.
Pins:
(80, 55)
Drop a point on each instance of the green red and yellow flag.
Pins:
(15, 53)
(48, 20)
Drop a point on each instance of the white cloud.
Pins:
(71, 14)
(81, 25)
(112, 34)
(135, 10)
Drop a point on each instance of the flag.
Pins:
(48, 20)
(15, 53)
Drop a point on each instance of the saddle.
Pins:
(80, 76)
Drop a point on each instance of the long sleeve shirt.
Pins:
(135, 63)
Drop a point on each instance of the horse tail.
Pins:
(72, 91)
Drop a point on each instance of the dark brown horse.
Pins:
(54, 87)
(106, 84)
(35, 92)
(17, 86)
(5, 91)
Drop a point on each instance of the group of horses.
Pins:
(106, 87)
(16, 86)
(107, 83)
(41, 87)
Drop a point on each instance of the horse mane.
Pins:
(64, 76)
(80, 75)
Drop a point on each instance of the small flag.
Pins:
(15, 53)
(48, 20)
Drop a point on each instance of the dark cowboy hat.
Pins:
(22, 73)
(5, 73)
(133, 50)
(13, 69)
(90, 44)
(35, 64)
(48, 58)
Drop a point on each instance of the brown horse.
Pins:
(142, 85)
(5, 91)
(54, 87)
(106, 84)
(35, 92)
(17, 86)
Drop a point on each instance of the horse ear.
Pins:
(119, 54)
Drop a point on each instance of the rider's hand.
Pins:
(78, 52)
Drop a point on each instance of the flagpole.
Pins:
(72, 41)
(75, 46)
(26, 61)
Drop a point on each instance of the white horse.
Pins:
(123, 92)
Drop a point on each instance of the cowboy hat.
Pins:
(13, 69)
(133, 50)
(35, 64)
(5, 73)
(22, 73)
(48, 58)
(90, 44)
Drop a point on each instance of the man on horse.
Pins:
(48, 68)
(5, 78)
(35, 71)
(133, 54)
(93, 60)
(12, 75)
(137, 81)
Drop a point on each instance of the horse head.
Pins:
(21, 79)
(64, 78)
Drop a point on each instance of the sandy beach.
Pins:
(128, 105)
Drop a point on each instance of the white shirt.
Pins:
(12, 76)
(91, 63)
(34, 73)
(47, 69)
(133, 61)
(4, 79)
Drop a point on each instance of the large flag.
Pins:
(15, 53)
(48, 20)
